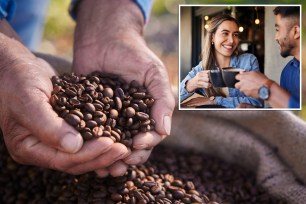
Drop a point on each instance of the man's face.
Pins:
(283, 35)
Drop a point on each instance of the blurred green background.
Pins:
(161, 33)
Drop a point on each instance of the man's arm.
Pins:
(250, 82)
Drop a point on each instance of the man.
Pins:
(287, 94)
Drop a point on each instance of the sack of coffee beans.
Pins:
(183, 176)
(269, 143)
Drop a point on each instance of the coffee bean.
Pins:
(87, 116)
(74, 102)
(115, 135)
(72, 119)
(87, 135)
(98, 106)
(91, 124)
(130, 112)
(90, 107)
(178, 194)
(119, 93)
(142, 116)
(113, 113)
(116, 197)
(97, 131)
(118, 103)
(190, 185)
(108, 92)
(139, 95)
(78, 113)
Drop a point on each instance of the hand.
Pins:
(32, 131)
(109, 38)
(201, 80)
(250, 82)
(200, 101)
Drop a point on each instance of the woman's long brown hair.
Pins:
(208, 58)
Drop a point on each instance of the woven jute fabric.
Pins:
(269, 143)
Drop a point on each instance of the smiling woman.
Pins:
(219, 51)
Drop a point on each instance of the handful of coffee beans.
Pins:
(100, 105)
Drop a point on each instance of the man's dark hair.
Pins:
(287, 11)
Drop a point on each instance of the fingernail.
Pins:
(167, 124)
(133, 160)
(71, 143)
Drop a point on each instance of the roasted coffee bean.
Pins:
(78, 113)
(118, 103)
(74, 102)
(115, 135)
(97, 131)
(116, 197)
(139, 95)
(90, 107)
(72, 119)
(62, 101)
(130, 112)
(91, 124)
(119, 93)
(71, 91)
(87, 135)
(113, 113)
(178, 194)
(108, 92)
(142, 116)
(98, 107)
(87, 116)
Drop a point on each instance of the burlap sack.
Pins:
(270, 143)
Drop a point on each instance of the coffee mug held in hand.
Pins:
(215, 77)
(229, 76)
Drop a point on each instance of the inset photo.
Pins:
(240, 57)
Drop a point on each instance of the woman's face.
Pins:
(226, 38)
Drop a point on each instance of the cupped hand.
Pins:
(109, 39)
(34, 134)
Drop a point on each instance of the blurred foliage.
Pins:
(58, 22)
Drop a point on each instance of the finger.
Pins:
(119, 168)
(102, 173)
(32, 110)
(117, 151)
(138, 157)
(238, 85)
(147, 140)
(34, 152)
(158, 85)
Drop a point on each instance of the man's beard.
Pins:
(287, 51)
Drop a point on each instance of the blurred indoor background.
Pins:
(161, 33)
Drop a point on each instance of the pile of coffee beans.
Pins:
(183, 176)
(100, 105)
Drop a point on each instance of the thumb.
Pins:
(163, 107)
(48, 127)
